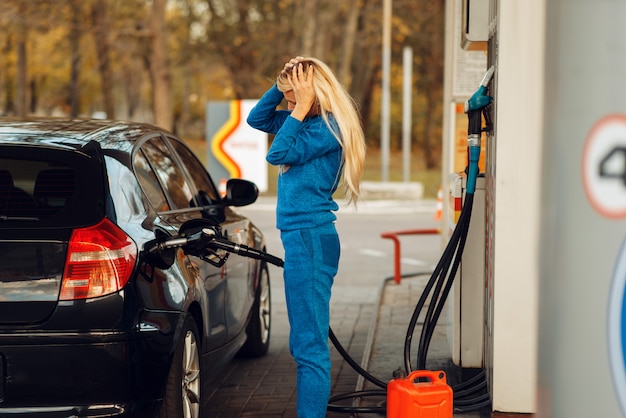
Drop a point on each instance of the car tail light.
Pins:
(100, 260)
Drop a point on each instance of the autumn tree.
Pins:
(101, 28)
(161, 60)
(159, 65)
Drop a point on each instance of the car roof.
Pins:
(72, 133)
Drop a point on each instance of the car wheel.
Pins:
(182, 392)
(259, 327)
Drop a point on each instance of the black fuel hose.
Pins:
(438, 301)
(439, 272)
(245, 251)
(353, 363)
(440, 282)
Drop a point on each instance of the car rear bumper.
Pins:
(65, 411)
(86, 374)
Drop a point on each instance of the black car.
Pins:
(125, 278)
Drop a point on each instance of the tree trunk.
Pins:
(20, 102)
(101, 31)
(309, 27)
(162, 90)
(347, 47)
(34, 97)
(20, 88)
(75, 60)
(367, 56)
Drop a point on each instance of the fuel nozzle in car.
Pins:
(200, 238)
(476, 107)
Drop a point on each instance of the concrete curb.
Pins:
(367, 352)
(374, 190)
(365, 207)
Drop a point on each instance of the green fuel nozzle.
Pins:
(477, 105)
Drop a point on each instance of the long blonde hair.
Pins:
(334, 99)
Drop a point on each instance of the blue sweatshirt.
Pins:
(313, 155)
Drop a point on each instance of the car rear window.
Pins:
(49, 188)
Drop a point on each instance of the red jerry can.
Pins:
(414, 397)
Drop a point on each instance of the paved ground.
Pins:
(369, 315)
(395, 308)
(266, 387)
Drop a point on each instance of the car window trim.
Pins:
(138, 149)
(177, 160)
(188, 175)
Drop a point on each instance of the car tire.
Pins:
(259, 328)
(182, 392)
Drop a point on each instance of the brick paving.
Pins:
(266, 387)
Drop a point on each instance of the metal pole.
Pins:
(385, 105)
(407, 65)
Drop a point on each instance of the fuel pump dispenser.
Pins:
(476, 107)
(416, 389)
(467, 305)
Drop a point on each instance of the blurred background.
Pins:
(161, 61)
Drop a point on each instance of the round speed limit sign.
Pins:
(604, 166)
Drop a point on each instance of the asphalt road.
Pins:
(266, 387)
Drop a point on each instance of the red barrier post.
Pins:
(394, 236)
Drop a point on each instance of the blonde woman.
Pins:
(319, 143)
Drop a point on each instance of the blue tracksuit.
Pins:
(310, 160)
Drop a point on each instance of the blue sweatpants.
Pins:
(311, 262)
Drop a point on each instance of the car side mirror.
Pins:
(240, 192)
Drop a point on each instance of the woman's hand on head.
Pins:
(289, 65)
(301, 82)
